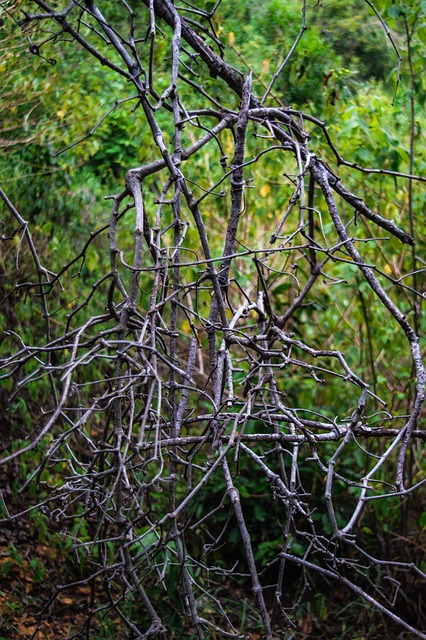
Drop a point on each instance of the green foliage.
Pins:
(344, 46)
(354, 32)
(342, 71)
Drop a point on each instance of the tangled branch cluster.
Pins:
(197, 365)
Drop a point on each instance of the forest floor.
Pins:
(31, 570)
(34, 563)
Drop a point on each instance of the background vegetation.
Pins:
(70, 130)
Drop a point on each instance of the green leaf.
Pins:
(6, 567)
(394, 11)
(421, 33)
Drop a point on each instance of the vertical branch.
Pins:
(367, 323)
(237, 189)
(234, 496)
(417, 297)
(237, 184)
